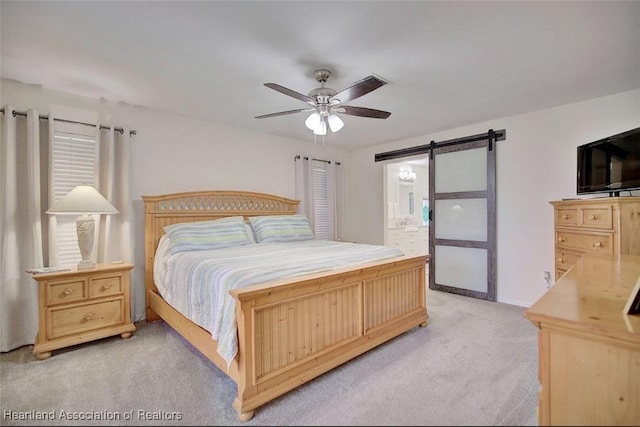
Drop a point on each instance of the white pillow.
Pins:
(204, 235)
(159, 270)
(281, 228)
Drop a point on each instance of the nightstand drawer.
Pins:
(105, 286)
(81, 318)
(76, 306)
(65, 292)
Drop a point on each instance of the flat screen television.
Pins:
(611, 164)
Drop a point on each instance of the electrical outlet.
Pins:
(547, 278)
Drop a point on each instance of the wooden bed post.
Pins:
(246, 389)
(150, 246)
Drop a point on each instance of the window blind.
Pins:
(74, 162)
(320, 200)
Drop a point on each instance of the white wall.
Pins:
(173, 153)
(535, 164)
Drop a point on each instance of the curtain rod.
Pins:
(318, 160)
(43, 117)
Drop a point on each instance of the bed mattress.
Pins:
(197, 283)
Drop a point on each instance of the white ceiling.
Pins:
(449, 63)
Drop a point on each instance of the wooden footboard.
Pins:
(289, 331)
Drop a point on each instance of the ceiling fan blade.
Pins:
(360, 88)
(293, 93)
(363, 112)
(282, 113)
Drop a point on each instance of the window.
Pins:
(74, 161)
(320, 189)
(320, 200)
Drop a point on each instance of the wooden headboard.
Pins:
(160, 211)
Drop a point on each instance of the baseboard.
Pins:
(515, 302)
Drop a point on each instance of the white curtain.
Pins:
(115, 231)
(304, 187)
(52, 219)
(21, 216)
(21, 227)
(335, 193)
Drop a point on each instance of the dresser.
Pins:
(588, 349)
(608, 225)
(83, 305)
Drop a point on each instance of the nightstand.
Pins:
(83, 305)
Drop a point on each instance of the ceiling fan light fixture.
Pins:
(326, 102)
(321, 128)
(335, 122)
(313, 120)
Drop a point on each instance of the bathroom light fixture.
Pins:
(407, 175)
(86, 201)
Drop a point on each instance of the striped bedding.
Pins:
(197, 283)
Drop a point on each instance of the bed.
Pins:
(288, 330)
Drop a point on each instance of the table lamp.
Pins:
(83, 200)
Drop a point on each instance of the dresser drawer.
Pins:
(82, 318)
(597, 217)
(567, 217)
(63, 292)
(564, 260)
(105, 286)
(586, 242)
(559, 273)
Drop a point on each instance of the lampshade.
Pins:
(321, 128)
(313, 120)
(83, 199)
(335, 123)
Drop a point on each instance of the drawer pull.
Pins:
(593, 216)
(106, 286)
(597, 244)
(565, 216)
(67, 291)
(561, 259)
(561, 239)
(88, 316)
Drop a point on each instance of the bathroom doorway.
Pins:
(406, 216)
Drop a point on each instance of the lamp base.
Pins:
(85, 227)
(86, 265)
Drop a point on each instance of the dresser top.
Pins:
(597, 200)
(591, 297)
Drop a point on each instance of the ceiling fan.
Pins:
(326, 102)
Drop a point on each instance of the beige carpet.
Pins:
(475, 364)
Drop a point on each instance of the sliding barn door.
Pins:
(462, 232)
